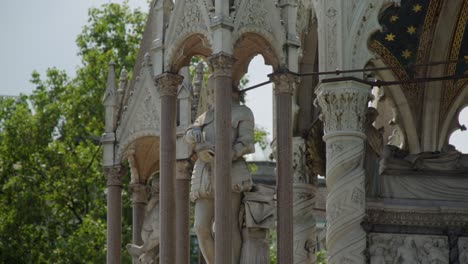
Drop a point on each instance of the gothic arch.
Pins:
(450, 124)
(181, 51)
(247, 46)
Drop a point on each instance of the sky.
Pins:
(41, 34)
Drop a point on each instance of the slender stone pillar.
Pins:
(114, 213)
(221, 65)
(139, 200)
(344, 106)
(285, 84)
(183, 175)
(167, 84)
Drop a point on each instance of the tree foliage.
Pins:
(52, 190)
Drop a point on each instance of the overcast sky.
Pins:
(37, 34)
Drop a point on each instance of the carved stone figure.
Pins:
(201, 136)
(406, 253)
(374, 148)
(257, 216)
(148, 253)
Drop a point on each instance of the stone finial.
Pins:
(111, 88)
(123, 81)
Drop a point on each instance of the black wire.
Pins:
(374, 83)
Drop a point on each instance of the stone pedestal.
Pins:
(343, 106)
(221, 65)
(183, 175)
(285, 84)
(114, 213)
(167, 83)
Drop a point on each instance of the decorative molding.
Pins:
(256, 14)
(168, 84)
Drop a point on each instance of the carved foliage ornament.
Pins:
(167, 83)
(285, 83)
(114, 175)
(221, 64)
(343, 108)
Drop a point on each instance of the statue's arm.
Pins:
(244, 143)
(194, 134)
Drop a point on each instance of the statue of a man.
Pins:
(201, 136)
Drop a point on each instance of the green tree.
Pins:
(52, 190)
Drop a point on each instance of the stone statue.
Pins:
(374, 148)
(434, 254)
(201, 136)
(258, 217)
(148, 253)
(447, 159)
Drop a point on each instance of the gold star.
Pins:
(390, 37)
(411, 30)
(417, 8)
(394, 18)
(466, 58)
(406, 54)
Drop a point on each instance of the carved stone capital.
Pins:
(221, 64)
(167, 83)
(139, 193)
(114, 175)
(285, 82)
(184, 170)
(343, 105)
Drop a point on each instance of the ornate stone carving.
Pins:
(148, 253)
(463, 249)
(343, 105)
(190, 17)
(114, 175)
(184, 170)
(221, 64)
(406, 249)
(285, 82)
(436, 217)
(256, 14)
(168, 83)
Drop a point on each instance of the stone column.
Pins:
(305, 189)
(343, 106)
(114, 213)
(167, 84)
(285, 84)
(221, 65)
(139, 200)
(183, 176)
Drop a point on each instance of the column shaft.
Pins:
(285, 84)
(183, 212)
(221, 64)
(114, 215)
(139, 200)
(167, 84)
(344, 107)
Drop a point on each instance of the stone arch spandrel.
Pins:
(247, 46)
(188, 33)
(403, 107)
(450, 124)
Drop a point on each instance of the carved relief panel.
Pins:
(398, 248)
